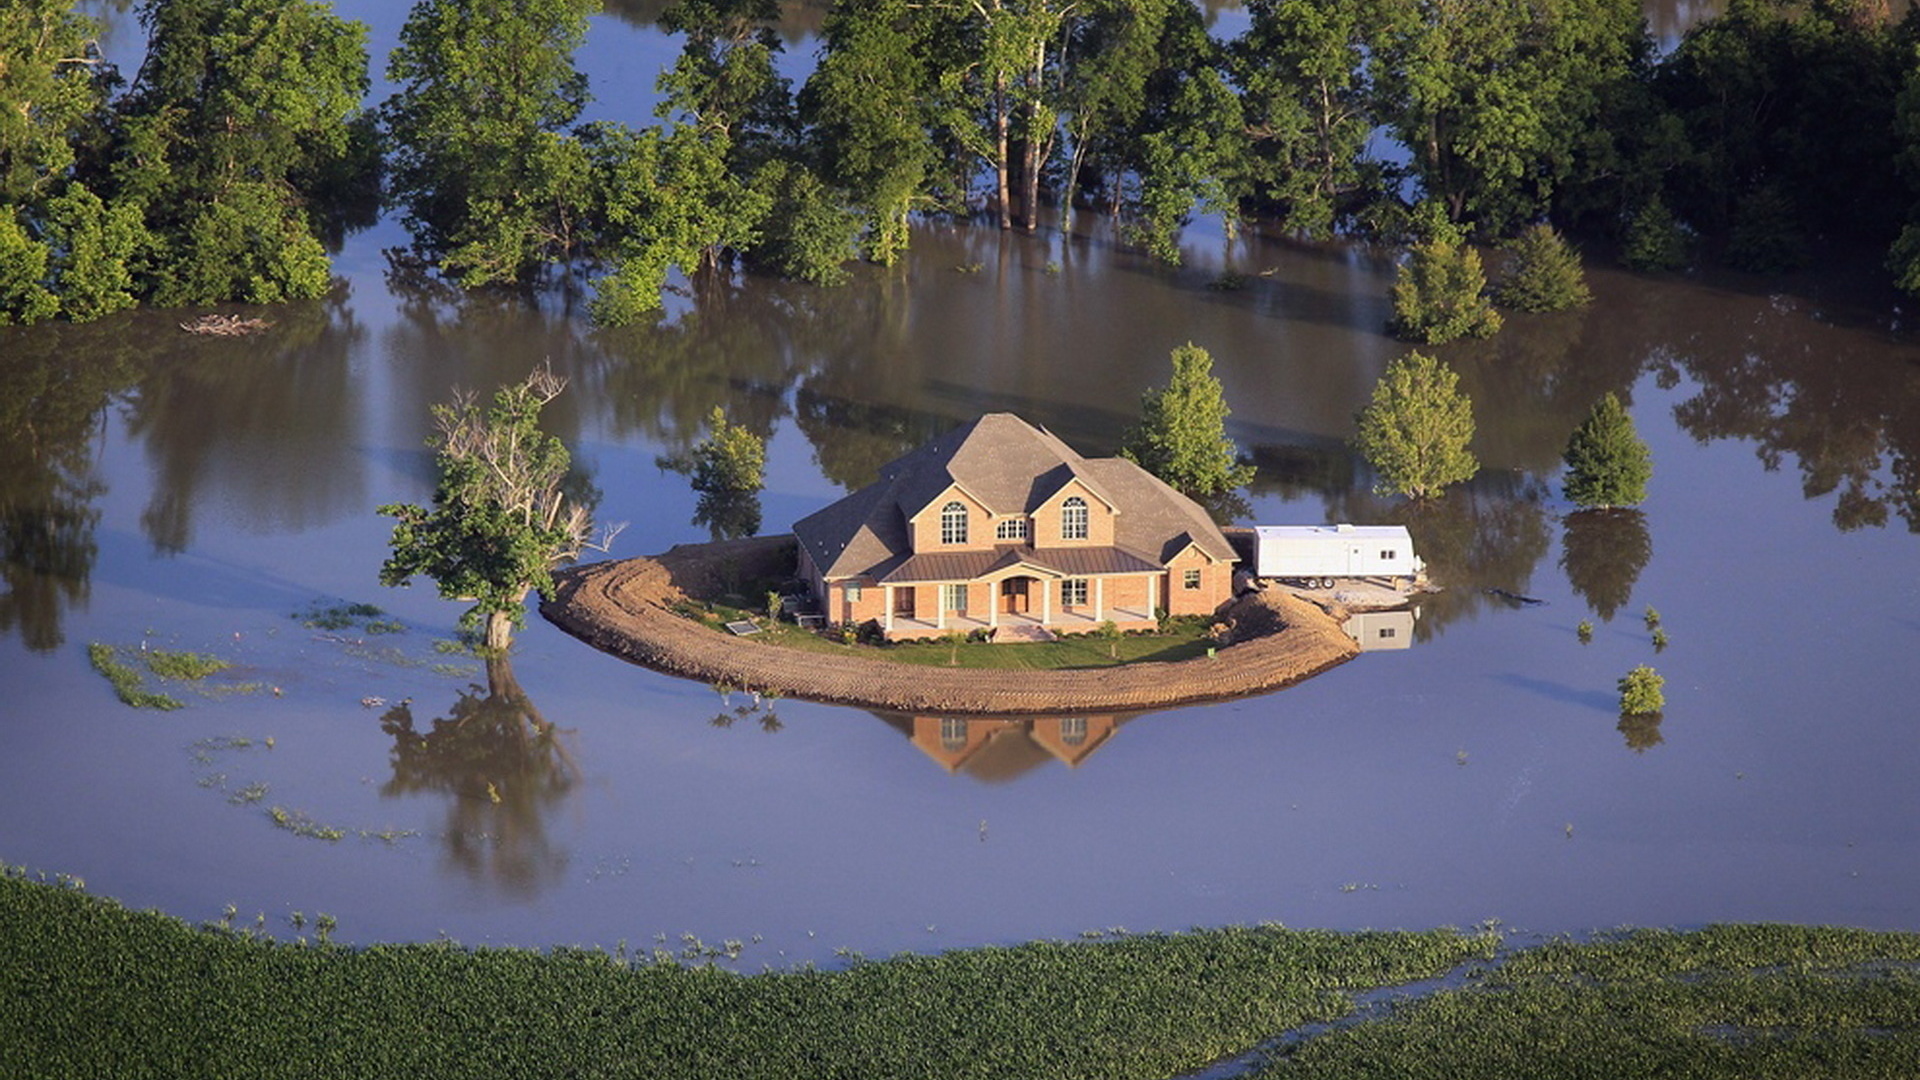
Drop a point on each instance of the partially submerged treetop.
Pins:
(1182, 435)
(501, 521)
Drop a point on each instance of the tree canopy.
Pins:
(502, 519)
(1415, 430)
(1607, 464)
(1182, 434)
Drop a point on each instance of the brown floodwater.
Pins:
(178, 493)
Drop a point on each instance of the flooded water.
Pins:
(163, 491)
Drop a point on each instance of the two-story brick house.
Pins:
(998, 525)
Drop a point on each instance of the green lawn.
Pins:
(1184, 639)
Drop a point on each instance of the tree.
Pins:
(501, 520)
(1303, 97)
(491, 183)
(1640, 692)
(865, 110)
(1439, 294)
(1182, 435)
(1607, 464)
(53, 89)
(1543, 273)
(727, 469)
(1654, 239)
(242, 113)
(1415, 431)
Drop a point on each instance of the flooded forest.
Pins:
(169, 494)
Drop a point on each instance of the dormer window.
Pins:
(1073, 519)
(1011, 529)
(953, 523)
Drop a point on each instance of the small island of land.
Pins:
(628, 608)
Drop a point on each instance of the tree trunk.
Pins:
(1002, 194)
(499, 632)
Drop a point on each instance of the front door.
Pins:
(1013, 595)
(903, 602)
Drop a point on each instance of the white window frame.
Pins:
(1074, 523)
(953, 523)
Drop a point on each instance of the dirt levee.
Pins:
(625, 608)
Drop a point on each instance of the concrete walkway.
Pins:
(624, 608)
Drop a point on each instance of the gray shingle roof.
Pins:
(1012, 467)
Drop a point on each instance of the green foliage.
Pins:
(1543, 273)
(500, 521)
(54, 93)
(1654, 239)
(1607, 463)
(189, 666)
(1766, 233)
(24, 298)
(866, 110)
(1414, 432)
(126, 681)
(1584, 630)
(98, 248)
(1500, 102)
(491, 185)
(1304, 104)
(238, 111)
(1439, 294)
(1194, 158)
(727, 469)
(808, 234)
(1723, 1003)
(1640, 692)
(1651, 617)
(142, 988)
(1182, 434)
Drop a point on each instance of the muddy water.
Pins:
(198, 495)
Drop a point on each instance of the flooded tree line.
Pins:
(243, 146)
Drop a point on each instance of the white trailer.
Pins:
(1318, 554)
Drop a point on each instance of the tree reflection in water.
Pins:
(55, 383)
(1603, 552)
(1641, 732)
(504, 767)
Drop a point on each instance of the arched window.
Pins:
(953, 733)
(953, 523)
(1073, 519)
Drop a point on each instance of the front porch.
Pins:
(1072, 621)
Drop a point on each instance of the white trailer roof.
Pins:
(1354, 532)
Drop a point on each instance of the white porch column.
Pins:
(1046, 602)
(1099, 598)
(993, 604)
(1153, 593)
(887, 617)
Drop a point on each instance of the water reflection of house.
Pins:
(1000, 526)
(1378, 631)
(997, 749)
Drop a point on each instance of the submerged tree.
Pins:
(1182, 435)
(1439, 294)
(490, 179)
(1543, 274)
(501, 520)
(1607, 464)
(1415, 431)
(727, 469)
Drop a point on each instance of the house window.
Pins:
(953, 733)
(1011, 529)
(1073, 592)
(1073, 519)
(1190, 579)
(1073, 730)
(955, 597)
(953, 523)
(853, 592)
